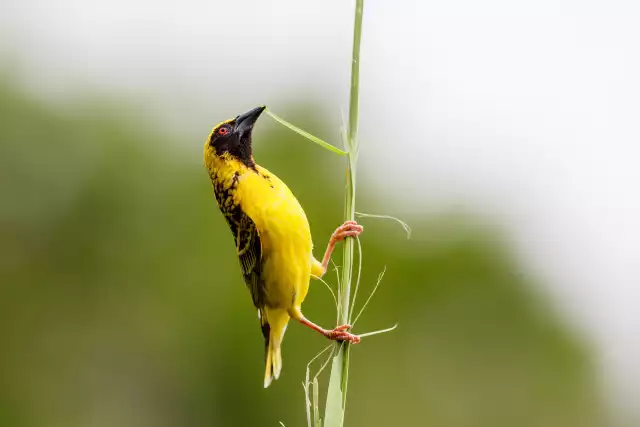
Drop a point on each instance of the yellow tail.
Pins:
(274, 323)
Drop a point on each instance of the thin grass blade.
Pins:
(404, 225)
(335, 300)
(355, 292)
(307, 382)
(375, 288)
(316, 408)
(307, 401)
(380, 331)
(324, 365)
(306, 134)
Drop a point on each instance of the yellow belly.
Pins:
(286, 270)
(284, 234)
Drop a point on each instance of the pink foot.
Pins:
(340, 334)
(348, 229)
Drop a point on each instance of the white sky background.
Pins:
(527, 114)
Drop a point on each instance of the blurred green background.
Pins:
(122, 303)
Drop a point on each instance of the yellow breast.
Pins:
(284, 234)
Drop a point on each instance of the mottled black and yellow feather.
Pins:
(245, 234)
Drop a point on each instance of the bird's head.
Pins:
(231, 140)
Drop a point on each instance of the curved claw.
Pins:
(341, 328)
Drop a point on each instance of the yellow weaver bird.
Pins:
(272, 235)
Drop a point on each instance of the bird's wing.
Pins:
(249, 249)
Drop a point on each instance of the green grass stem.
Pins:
(338, 380)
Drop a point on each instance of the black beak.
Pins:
(245, 122)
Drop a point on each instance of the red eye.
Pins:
(223, 131)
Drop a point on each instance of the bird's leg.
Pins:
(338, 334)
(348, 229)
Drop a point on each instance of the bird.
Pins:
(271, 233)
